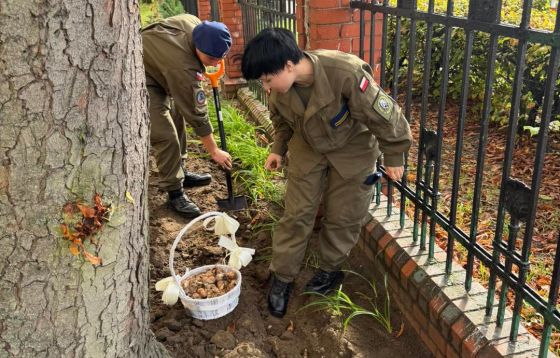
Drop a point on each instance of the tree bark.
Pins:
(73, 122)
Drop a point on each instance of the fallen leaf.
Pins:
(290, 327)
(401, 330)
(129, 197)
(231, 327)
(74, 249)
(94, 260)
(87, 212)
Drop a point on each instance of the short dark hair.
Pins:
(269, 52)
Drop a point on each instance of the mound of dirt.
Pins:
(250, 331)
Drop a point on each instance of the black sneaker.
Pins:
(322, 282)
(278, 297)
(183, 205)
(194, 179)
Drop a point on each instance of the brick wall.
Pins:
(230, 14)
(321, 24)
(334, 25)
(204, 9)
(450, 321)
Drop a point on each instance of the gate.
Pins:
(261, 14)
(507, 259)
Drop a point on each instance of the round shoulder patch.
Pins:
(383, 105)
(200, 97)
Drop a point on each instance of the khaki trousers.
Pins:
(345, 202)
(168, 138)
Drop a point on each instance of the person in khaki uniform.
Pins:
(334, 121)
(176, 50)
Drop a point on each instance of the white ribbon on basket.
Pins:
(223, 225)
(170, 290)
(238, 256)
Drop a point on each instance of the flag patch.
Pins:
(341, 116)
(364, 82)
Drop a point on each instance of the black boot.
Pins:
(179, 202)
(194, 179)
(278, 297)
(323, 281)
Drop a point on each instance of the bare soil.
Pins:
(249, 331)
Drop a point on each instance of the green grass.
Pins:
(249, 157)
(341, 304)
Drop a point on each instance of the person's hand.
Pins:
(395, 173)
(222, 158)
(273, 162)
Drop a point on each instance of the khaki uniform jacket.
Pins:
(347, 120)
(170, 61)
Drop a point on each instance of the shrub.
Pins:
(537, 60)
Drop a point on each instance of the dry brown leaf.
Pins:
(231, 327)
(290, 327)
(94, 260)
(74, 249)
(87, 211)
(401, 330)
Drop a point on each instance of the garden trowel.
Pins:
(232, 202)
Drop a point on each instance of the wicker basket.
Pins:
(208, 308)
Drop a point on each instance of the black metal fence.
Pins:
(516, 208)
(261, 14)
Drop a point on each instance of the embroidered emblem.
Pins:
(383, 105)
(199, 76)
(341, 116)
(200, 97)
(364, 82)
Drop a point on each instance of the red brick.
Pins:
(409, 317)
(408, 269)
(437, 338)
(473, 344)
(390, 251)
(369, 226)
(229, 6)
(334, 16)
(489, 351)
(351, 30)
(324, 4)
(420, 317)
(460, 330)
(381, 243)
(325, 32)
(450, 352)
(436, 305)
(226, 14)
(428, 342)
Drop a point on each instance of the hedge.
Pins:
(537, 61)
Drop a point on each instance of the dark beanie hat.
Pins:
(212, 38)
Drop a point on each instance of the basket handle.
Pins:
(180, 235)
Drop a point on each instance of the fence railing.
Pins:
(516, 209)
(261, 14)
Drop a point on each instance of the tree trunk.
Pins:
(73, 122)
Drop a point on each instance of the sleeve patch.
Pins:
(200, 97)
(364, 82)
(383, 105)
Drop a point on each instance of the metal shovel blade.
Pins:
(233, 203)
